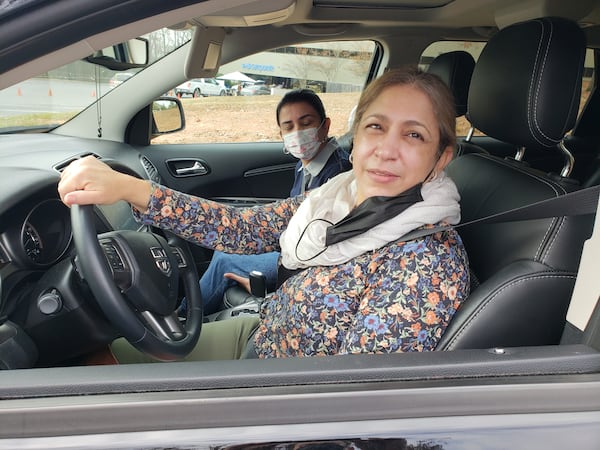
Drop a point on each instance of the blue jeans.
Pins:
(213, 284)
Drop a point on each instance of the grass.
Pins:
(35, 119)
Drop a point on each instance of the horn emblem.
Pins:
(161, 260)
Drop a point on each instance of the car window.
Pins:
(256, 83)
(475, 48)
(54, 97)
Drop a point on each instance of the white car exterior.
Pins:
(201, 87)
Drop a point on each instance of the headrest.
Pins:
(526, 85)
(455, 69)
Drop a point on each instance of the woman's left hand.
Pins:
(242, 281)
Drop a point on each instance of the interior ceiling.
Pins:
(461, 18)
(383, 4)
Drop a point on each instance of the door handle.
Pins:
(187, 167)
(196, 169)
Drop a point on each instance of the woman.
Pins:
(303, 126)
(353, 285)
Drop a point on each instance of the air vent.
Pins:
(61, 165)
(3, 256)
(151, 170)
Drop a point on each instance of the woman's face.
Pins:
(300, 116)
(396, 143)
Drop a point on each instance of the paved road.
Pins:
(41, 94)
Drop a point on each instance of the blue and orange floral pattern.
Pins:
(397, 298)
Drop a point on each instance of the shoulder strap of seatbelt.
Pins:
(577, 203)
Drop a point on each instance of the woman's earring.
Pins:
(351, 159)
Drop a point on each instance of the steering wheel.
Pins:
(135, 278)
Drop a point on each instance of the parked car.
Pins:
(256, 88)
(518, 366)
(201, 87)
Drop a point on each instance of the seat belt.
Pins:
(576, 203)
(584, 306)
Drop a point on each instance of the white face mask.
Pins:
(303, 144)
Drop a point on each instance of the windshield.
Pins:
(52, 98)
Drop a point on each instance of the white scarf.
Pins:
(305, 235)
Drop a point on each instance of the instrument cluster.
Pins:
(46, 233)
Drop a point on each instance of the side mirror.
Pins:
(131, 54)
(167, 116)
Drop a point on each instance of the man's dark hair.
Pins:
(302, 96)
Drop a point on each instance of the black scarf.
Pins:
(372, 212)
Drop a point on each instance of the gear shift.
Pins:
(258, 284)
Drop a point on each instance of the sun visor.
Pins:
(252, 14)
(205, 53)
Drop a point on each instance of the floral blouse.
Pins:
(397, 298)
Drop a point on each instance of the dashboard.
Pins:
(35, 226)
(41, 291)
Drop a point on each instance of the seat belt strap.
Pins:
(576, 203)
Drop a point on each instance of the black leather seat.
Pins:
(456, 69)
(525, 91)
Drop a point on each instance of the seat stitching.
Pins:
(553, 186)
(487, 302)
(561, 223)
(525, 172)
(557, 188)
(534, 117)
(539, 251)
(532, 82)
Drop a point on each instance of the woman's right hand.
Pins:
(89, 181)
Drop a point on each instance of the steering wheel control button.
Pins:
(179, 257)
(113, 257)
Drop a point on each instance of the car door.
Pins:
(243, 173)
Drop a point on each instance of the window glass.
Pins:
(239, 104)
(54, 97)
(588, 78)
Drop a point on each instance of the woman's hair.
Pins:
(302, 96)
(431, 85)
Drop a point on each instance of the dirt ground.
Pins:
(248, 119)
(252, 119)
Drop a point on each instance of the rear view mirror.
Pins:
(167, 116)
(126, 55)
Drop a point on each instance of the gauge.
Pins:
(32, 243)
(46, 233)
